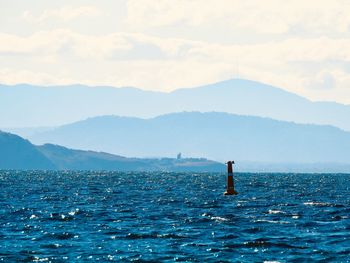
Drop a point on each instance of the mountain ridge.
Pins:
(55, 105)
(78, 85)
(17, 153)
(218, 136)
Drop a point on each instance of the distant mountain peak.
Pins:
(17, 153)
(217, 136)
(33, 106)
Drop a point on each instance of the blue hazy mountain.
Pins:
(217, 136)
(32, 106)
(19, 154)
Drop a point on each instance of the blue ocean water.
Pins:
(152, 217)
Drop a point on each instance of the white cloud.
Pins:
(268, 16)
(323, 80)
(103, 47)
(13, 76)
(56, 42)
(296, 45)
(66, 13)
(110, 59)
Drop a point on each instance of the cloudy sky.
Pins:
(301, 46)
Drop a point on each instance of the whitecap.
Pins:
(316, 204)
(218, 218)
(37, 259)
(272, 221)
(72, 213)
(275, 212)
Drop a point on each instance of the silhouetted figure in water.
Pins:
(230, 184)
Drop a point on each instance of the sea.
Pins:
(94, 216)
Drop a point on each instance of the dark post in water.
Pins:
(230, 184)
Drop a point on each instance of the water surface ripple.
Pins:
(166, 217)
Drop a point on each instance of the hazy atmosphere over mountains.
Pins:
(301, 46)
(254, 122)
(33, 106)
(263, 82)
(217, 136)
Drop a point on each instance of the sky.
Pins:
(300, 46)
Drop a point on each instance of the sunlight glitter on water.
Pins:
(88, 216)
